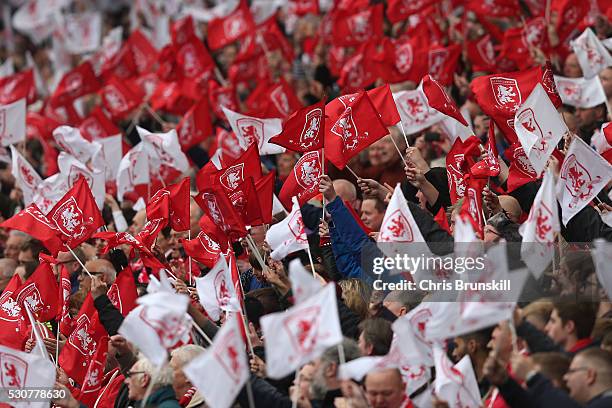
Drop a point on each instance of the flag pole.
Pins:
(79, 261)
(189, 259)
(352, 172)
(341, 356)
(311, 262)
(57, 333)
(255, 251)
(37, 336)
(404, 133)
(154, 114)
(201, 333)
(398, 150)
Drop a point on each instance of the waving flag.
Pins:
(489, 165)
(246, 165)
(13, 123)
(456, 384)
(218, 206)
(39, 293)
(76, 215)
(287, 236)
(303, 284)
(195, 126)
(12, 320)
(439, 99)
(122, 293)
(25, 176)
(92, 383)
(97, 126)
(584, 174)
(472, 203)
(216, 290)
(539, 127)
(251, 130)
(33, 222)
(301, 333)
(592, 56)
(26, 371)
(18, 86)
(118, 99)
(303, 181)
(72, 169)
(443, 62)
(133, 171)
(114, 239)
(414, 110)
(222, 370)
(63, 312)
(303, 131)
(71, 141)
(203, 249)
(580, 92)
(80, 81)
(353, 27)
(164, 151)
(226, 30)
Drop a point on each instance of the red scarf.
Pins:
(186, 398)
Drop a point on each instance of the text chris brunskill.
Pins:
(502, 285)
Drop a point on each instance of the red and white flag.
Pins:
(580, 92)
(92, 383)
(22, 370)
(122, 293)
(114, 239)
(107, 157)
(303, 131)
(414, 110)
(355, 128)
(25, 176)
(72, 169)
(410, 336)
(302, 333)
(13, 122)
(489, 165)
(80, 81)
(195, 126)
(539, 127)
(471, 208)
(164, 151)
(303, 284)
(246, 165)
(203, 249)
(539, 230)
(76, 215)
(584, 174)
(222, 370)
(303, 181)
(98, 126)
(456, 384)
(39, 293)
(289, 235)
(157, 324)
(133, 171)
(398, 227)
(119, 99)
(592, 56)
(63, 311)
(82, 32)
(70, 140)
(251, 130)
(355, 26)
(440, 100)
(216, 291)
(33, 222)
(218, 206)
(226, 30)
(18, 86)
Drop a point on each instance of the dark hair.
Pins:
(505, 227)
(580, 311)
(553, 365)
(35, 246)
(481, 337)
(380, 205)
(377, 332)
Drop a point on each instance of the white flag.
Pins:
(302, 333)
(453, 129)
(410, 332)
(456, 384)
(583, 174)
(222, 370)
(72, 169)
(133, 170)
(25, 370)
(13, 122)
(414, 110)
(7, 68)
(250, 130)
(71, 141)
(539, 230)
(287, 236)
(592, 56)
(539, 127)
(157, 324)
(602, 258)
(398, 228)
(303, 284)
(602, 138)
(41, 87)
(50, 191)
(467, 243)
(580, 92)
(216, 290)
(163, 149)
(82, 32)
(108, 157)
(25, 176)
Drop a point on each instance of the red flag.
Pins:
(500, 95)
(569, 14)
(303, 181)
(352, 27)
(355, 129)
(248, 164)
(114, 239)
(442, 63)
(179, 205)
(182, 30)
(404, 60)
(481, 54)
(303, 131)
(144, 53)
(226, 30)
(118, 99)
(281, 101)
(195, 126)
(169, 97)
(400, 10)
(360, 70)
(192, 59)
(203, 248)
(18, 86)
(245, 201)
(442, 220)
(265, 193)
(217, 205)
(92, 383)
(63, 312)
(440, 100)
(97, 125)
(122, 293)
(39, 293)
(520, 171)
(459, 160)
(489, 166)
(382, 99)
(219, 96)
(496, 8)
(80, 81)
(76, 215)
(120, 65)
(159, 206)
(13, 325)
(33, 222)
(82, 342)
(472, 204)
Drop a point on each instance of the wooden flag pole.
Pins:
(79, 261)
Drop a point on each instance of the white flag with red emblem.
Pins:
(398, 228)
(303, 284)
(456, 384)
(592, 56)
(251, 130)
(539, 230)
(602, 258)
(72, 169)
(222, 370)
(25, 176)
(414, 110)
(82, 32)
(302, 333)
(13, 122)
(108, 156)
(71, 141)
(133, 170)
(539, 127)
(583, 174)
(216, 290)
(26, 370)
(49, 192)
(289, 235)
(157, 324)
(164, 149)
(410, 332)
(580, 92)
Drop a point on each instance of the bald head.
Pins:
(511, 206)
(346, 190)
(101, 268)
(385, 388)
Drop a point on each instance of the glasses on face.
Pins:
(133, 373)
